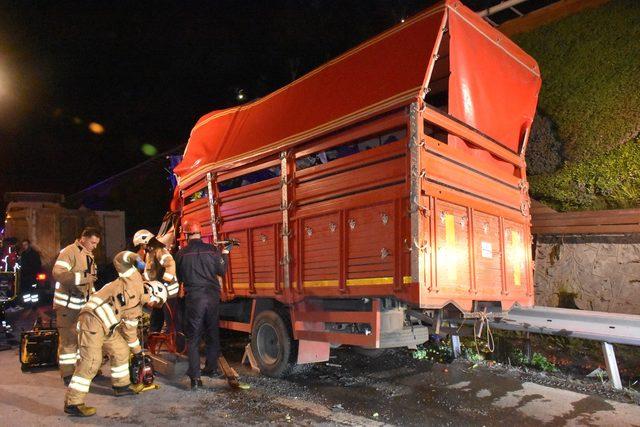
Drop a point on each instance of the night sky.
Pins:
(147, 73)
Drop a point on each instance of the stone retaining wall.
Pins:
(590, 272)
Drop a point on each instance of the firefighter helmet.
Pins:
(142, 237)
(191, 227)
(157, 291)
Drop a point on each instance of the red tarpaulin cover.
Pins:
(491, 88)
(493, 85)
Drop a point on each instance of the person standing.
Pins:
(160, 266)
(199, 266)
(9, 264)
(30, 266)
(109, 323)
(75, 273)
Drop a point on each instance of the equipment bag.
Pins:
(38, 348)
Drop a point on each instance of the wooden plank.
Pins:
(468, 134)
(546, 15)
(461, 177)
(559, 221)
(590, 214)
(483, 205)
(471, 162)
(588, 229)
(538, 208)
(616, 221)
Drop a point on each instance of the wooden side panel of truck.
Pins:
(363, 228)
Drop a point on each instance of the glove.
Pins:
(86, 278)
(228, 247)
(140, 264)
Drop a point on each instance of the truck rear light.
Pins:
(449, 254)
(41, 277)
(515, 255)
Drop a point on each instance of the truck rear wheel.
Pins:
(372, 353)
(272, 344)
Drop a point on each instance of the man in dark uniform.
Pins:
(199, 265)
(30, 266)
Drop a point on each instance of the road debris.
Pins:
(597, 373)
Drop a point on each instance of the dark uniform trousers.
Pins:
(201, 321)
(199, 267)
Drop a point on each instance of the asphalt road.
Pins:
(354, 390)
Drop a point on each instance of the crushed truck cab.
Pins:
(376, 194)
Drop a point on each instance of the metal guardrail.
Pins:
(610, 328)
(613, 328)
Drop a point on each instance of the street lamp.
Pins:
(4, 83)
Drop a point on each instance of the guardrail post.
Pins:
(527, 347)
(612, 365)
(455, 346)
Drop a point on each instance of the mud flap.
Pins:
(313, 351)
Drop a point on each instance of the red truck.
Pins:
(376, 195)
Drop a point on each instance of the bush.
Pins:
(590, 64)
(544, 148)
(434, 352)
(607, 181)
(538, 361)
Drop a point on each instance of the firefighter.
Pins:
(199, 265)
(159, 262)
(75, 273)
(109, 322)
(159, 265)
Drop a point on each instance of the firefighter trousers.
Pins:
(67, 348)
(92, 340)
(201, 321)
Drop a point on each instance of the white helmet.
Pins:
(142, 237)
(157, 291)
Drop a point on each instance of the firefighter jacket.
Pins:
(74, 272)
(118, 306)
(160, 266)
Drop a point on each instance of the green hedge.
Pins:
(590, 65)
(606, 181)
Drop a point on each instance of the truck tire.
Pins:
(372, 353)
(273, 345)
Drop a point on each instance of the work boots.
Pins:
(124, 390)
(81, 410)
(211, 372)
(196, 384)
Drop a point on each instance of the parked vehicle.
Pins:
(41, 218)
(375, 196)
